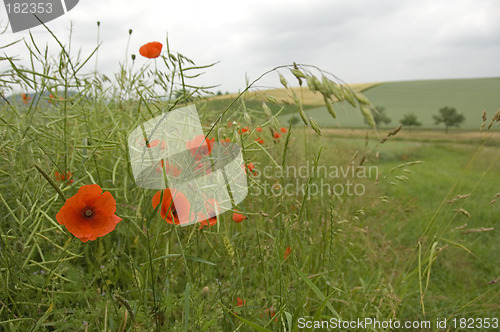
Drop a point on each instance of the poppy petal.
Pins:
(238, 217)
(182, 206)
(156, 199)
(105, 204)
(74, 214)
(74, 222)
(151, 50)
(102, 225)
(87, 194)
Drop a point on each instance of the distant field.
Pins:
(423, 136)
(423, 98)
(254, 99)
(309, 98)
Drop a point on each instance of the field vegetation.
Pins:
(387, 224)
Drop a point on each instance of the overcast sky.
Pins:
(357, 40)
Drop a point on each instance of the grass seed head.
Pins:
(283, 81)
(329, 107)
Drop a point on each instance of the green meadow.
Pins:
(422, 98)
(340, 225)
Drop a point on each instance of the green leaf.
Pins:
(186, 307)
(289, 320)
(246, 321)
(317, 291)
(193, 258)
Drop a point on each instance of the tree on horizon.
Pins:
(449, 116)
(410, 120)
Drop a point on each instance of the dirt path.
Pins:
(492, 138)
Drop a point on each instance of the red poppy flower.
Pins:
(238, 217)
(283, 130)
(153, 143)
(277, 135)
(244, 130)
(271, 313)
(64, 176)
(202, 168)
(51, 97)
(169, 169)
(200, 146)
(229, 124)
(89, 214)
(259, 140)
(288, 250)
(168, 209)
(240, 302)
(176, 171)
(151, 50)
(250, 167)
(208, 219)
(259, 129)
(206, 222)
(25, 98)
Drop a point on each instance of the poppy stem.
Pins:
(52, 183)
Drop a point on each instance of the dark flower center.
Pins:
(88, 212)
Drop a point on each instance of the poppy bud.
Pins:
(133, 57)
(151, 50)
(205, 291)
(129, 31)
(238, 217)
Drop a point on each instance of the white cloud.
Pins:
(358, 40)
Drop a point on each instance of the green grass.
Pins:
(423, 98)
(393, 252)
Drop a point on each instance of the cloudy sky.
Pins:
(357, 40)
